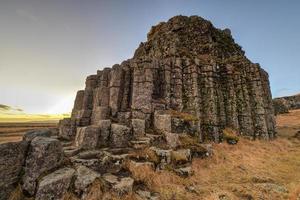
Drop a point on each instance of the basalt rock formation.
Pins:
(188, 85)
(188, 66)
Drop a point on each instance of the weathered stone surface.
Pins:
(55, 185)
(284, 104)
(162, 122)
(104, 136)
(172, 139)
(124, 186)
(84, 177)
(66, 128)
(12, 158)
(30, 135)
(181, 156)
(99, 161)
(188, 66)
(120, 135)
(146, 195)
(87, 137)
(44, 155)
(163, 155)
(100, 113)
(138, 127)
(184, 171)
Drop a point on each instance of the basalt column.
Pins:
(186, 66)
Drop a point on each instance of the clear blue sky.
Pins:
(49, 47)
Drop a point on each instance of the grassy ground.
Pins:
(249, 170)
(10, 132)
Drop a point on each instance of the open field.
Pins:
(10, 132)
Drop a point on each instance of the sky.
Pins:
(47, 48)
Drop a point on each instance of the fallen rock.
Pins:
(119, 185)
(146, 195)
(55, 185)
(184, 171)
(12, 158)
(124, 186)
(110, 178)
(30, 135)
(71, 151)
(141, 164)
(65, 129)
(84, 178)
(181, 156)
(201, 150)
(164, 157)
(44, 155)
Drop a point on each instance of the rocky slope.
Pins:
(187, 85)
(284, 104)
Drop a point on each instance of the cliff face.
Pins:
(186, 66)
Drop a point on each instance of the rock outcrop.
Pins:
(284, 104)
(12, 158)
(188, 66)
(187, 86)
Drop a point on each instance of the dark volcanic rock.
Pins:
(44, 154)
(12, 157)
(188, 66)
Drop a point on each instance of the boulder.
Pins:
(184, 171)
(12, 157)
(30, 135)
(119, 185)
(55, 185)
(138, 127)
(181, 156)
(65, 130)
(87, 137)
(44, 155)
(124, 186)
(147, 195)
(164, 157)
(84, 178)
(110, 179)
(120, 135)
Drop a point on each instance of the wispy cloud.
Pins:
(10, 109)
(15, 114)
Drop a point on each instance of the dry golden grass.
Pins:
(248, 170)
(182, 115)
(12, 132)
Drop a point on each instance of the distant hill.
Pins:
(284, 104)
